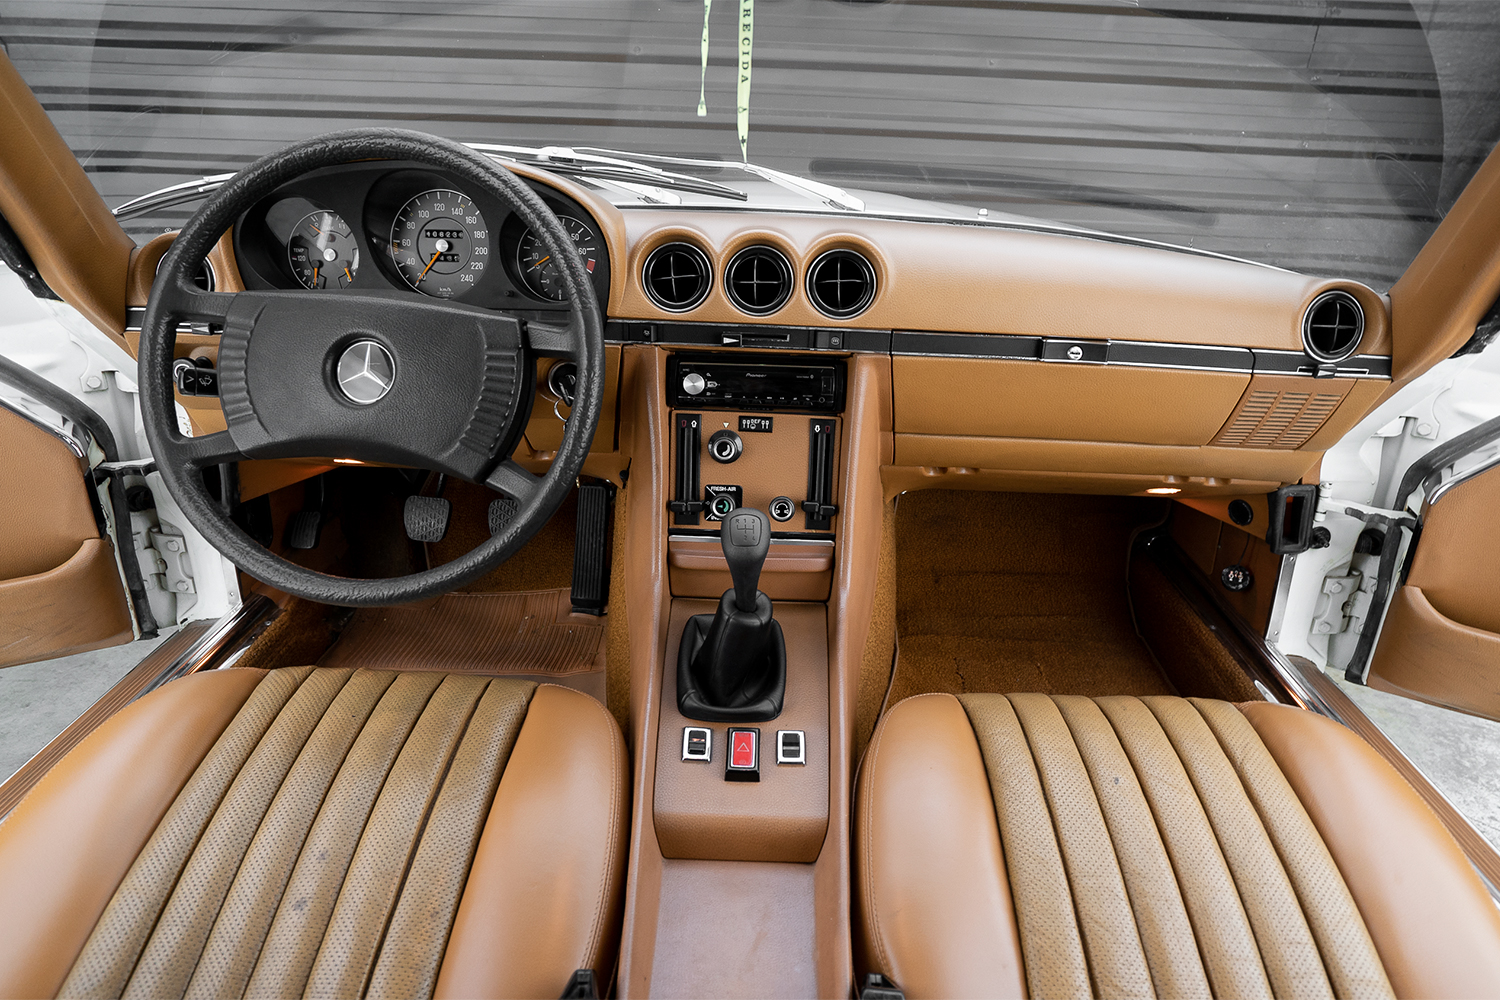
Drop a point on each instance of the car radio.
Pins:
(764, 382)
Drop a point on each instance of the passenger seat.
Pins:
(1032, 845)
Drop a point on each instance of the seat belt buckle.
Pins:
(877, 987)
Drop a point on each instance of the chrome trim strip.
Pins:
(1439, 492)
(713, 536)
(229, 635)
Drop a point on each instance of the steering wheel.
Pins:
(426, 383)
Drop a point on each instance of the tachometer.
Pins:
(538, 268)
(440, 243)
(323, 252)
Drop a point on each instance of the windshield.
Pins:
(1325, 137)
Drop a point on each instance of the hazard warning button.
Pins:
(744, 755)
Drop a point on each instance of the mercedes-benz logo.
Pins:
(366, 371)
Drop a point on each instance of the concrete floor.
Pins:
(1458, 753)
(40, 700)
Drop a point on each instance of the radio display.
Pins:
(766, 383)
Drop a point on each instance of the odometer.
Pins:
(537, 266)
(440, 243)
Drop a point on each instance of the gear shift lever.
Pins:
(732, 664)
(746, 538)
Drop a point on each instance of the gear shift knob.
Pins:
(746, 537)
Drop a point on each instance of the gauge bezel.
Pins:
(520, 276)
(489, 243)
(353, 238)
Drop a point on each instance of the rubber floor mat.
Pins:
(1018, 592)
(534, 632)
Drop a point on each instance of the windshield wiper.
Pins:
(828, 194)
(608, 165)
(176, 194)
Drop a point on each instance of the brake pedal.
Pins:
(426, 518)
(591, 549)
(502, 509)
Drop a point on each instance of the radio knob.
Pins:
(693, 384)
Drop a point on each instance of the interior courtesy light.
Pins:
(1164, 490)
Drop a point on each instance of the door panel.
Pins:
(60, 590)
(1441, 639)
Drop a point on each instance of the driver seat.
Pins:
(320, 831)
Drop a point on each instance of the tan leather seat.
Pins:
(1073, 847)
(322, 832)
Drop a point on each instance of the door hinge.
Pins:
(169, 565)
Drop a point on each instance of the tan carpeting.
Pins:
(544, 563)
(1018, 592)
(533, 634)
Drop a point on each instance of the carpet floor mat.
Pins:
(1018, 592)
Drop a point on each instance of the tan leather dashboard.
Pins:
(1050, 360)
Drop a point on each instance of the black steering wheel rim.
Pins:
(174, 298)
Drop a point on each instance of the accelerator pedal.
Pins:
(426, 518)
(591, 548)
(305, 527)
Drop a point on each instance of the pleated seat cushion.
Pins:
(1058, 846)
(345, 833)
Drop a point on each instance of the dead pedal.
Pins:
(426, 518)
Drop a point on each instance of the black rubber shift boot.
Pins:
(735, 672)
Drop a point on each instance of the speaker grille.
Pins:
(841, 283)
(758, 280)
(1332, 326)
(1286, 419)
(677, 276)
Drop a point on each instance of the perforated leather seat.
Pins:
(322, 832)
(1074, 847)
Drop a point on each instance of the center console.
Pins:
(745, 749)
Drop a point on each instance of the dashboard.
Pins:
(390, 225)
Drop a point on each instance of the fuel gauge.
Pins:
(323, 252)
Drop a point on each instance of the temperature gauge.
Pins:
(322, 252)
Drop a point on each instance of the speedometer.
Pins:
(440, 243)
(539, 268)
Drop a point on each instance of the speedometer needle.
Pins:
(541, 262)
(436, 254)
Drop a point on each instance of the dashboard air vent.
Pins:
(1332, 327)
(677, 276)
(758, 280)
(841, 283)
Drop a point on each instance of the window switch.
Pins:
(791, 747)
(697, 743)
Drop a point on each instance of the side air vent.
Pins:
(203, 277)
(758, 280)
(677, 276)
(841, 283)
(1332, 327)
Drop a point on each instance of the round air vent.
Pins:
(1332, 326)
(203, 277)
(758, 280)
(841, 283)
(677, 276)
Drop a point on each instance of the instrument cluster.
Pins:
(379, 226)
